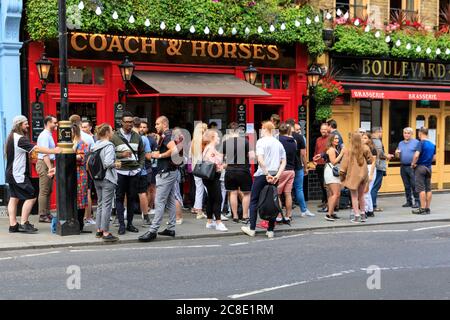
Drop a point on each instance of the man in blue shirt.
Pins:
(405, 151)
(423, 159)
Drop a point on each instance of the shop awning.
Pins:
(199, 84)
(397, 91)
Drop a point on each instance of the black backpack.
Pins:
(94, 165)
(268, 203)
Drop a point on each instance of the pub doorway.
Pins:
(263, 112)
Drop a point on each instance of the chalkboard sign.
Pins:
(37, 120)
(242, 116)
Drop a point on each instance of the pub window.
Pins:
(258, 82)
(356, 8)
(408, 8)
(370, 114)
(99, 74)
(427, 104)
(84, 75)
(398, 120)
(274, 81)
(447, 140)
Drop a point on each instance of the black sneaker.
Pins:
(329, 218)
(148, 236)
(335, 217)
(146, 220)
(14, 229)
(169, 233)
(110, 238)
(370, 214)
(27, 227)
(428, 211)
(245, 220)
(420, 211)
(236, 220)
(407, 205)
(324, 209)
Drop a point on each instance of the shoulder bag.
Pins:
(205, 170)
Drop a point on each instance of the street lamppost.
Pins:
(126, 71)
(43, 66)
(66, 175)
(250, 76)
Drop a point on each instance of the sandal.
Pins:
(45, 219)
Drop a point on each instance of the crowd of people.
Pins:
(143, 173)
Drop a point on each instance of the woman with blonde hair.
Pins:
(195, 155)
(213, 186)
(355, 175)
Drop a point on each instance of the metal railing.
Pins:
(407, 13)
(355, 10)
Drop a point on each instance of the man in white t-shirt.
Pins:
(271, 163)
(44, 164)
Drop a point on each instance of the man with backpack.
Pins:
(166, 179)
(271, 163)
(130, 152)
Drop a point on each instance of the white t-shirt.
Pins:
(273, 152)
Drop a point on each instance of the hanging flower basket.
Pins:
(326, 93)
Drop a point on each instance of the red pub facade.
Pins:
(185, 80)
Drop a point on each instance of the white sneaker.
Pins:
(302, 214)
(248, 231)
(270, 234)
(90, 221)
(308, 213)
(211, 225)
(223, 218)
(221, 227)
(179, 221)
(152, 212)
(201, 215)
(279, 219)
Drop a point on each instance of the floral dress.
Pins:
(82, 179)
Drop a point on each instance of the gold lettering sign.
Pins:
(404, 69)
(81, 42)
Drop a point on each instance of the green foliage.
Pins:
(355, 41)
(323, 112)
(42, 22)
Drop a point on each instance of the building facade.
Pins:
(10, 93)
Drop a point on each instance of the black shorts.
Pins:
(238, 179)
(142, 184)
(423, 179)
(22, 191)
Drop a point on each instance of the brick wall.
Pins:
(429, 12)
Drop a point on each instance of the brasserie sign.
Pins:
(149, 49)
(374, 70)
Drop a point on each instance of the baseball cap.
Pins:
(19, 119)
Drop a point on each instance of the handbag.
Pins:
(205, 170)
(335, 170)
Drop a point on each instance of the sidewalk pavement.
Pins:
(193, 229)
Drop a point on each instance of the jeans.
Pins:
(409, 181)
(368, 195)
(165, 199)
(199, 190)
(258, 184)
(126, 185)
(105, 193)
(298, 187)
(376, 187)
(214, 203)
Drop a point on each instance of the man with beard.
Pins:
(18, 146)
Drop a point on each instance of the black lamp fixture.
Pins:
(250, 74)
(43, 66)
(314, 74)
(126, 71)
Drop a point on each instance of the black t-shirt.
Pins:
(17, 163)
(165, 164)
(290, 146)
(235, 151)
(301, 145)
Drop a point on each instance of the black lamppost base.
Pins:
(68, 227)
